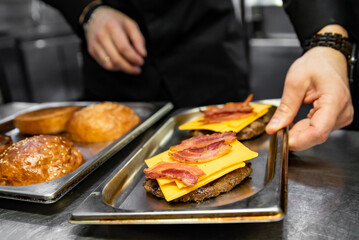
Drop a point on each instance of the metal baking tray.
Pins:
(121, 198)
(94, 153)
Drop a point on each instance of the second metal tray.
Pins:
(122, 200)
(94, 153)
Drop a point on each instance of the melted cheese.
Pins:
(234, 125)
(214, 169)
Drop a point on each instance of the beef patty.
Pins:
(254, 129)
(212, 189)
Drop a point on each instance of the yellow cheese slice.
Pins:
(171, 190)
(234, 125)
(214, 176)
(213, 169)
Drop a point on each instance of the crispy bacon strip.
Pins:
(188, 174)
(231, 107)
(221, 117)
(202, 154)
(205, 140)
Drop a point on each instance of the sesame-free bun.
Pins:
(45, 121)
(38, 159)
(101, 122)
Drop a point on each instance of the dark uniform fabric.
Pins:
(309, 16)
(196, 54)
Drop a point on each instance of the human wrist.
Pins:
(332, 40)
(88, 12)
(93, 14)
(334, 29)
(335, 37)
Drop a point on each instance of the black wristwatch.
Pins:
(88, 13)
(336, 41)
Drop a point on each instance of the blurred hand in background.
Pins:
(115, 41)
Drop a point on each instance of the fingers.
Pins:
(122, 44)
(123, 58)
(299, 134)
(326, 115)
(292, 98)
(98, 53)
(114, 41)
(136, 37)
(344, 115)
(315, 130)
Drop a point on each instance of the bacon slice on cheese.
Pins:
(222, 117)
(231, 107)
(187, 174)
(202, 141)
(259, 110)
(214, 169)
(202, 154)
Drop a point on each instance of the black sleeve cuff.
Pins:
(309, 16)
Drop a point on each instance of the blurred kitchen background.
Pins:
(40, 59)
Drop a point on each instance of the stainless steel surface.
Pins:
(57, 58)
(123, 200)
(323, 199)
(8, 109)
(94, 153)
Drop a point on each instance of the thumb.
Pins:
(292, 99)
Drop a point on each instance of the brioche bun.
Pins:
(101, 122)
(45, 121)
(38, 159)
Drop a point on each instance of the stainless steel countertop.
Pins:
(323, 200)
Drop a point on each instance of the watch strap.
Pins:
(333, 40)
(88, 10)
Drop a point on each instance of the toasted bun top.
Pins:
(46, 113)
(38, 159)
(45, 121)
(101, 122)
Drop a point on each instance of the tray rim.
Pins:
(277, 213)
(69, 181)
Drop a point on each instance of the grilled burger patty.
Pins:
(212, 189)
(254, 129)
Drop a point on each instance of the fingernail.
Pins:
(274, 122)
(290, 142)
(137, 70)
(144, 51)
(140, 61)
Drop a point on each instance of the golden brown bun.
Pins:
(101, 122)
(38, 159)
(45, 121)
(5, 142)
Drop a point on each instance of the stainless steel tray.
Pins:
(94, 153)
(121, 199)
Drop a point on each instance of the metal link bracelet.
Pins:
(335, 41)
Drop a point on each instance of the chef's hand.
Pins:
(115, 41)
(318, 77)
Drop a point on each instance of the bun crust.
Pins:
(101, 122)
(45, 121)
(38, 159)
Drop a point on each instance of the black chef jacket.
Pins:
(309, 16)
(196, 53)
